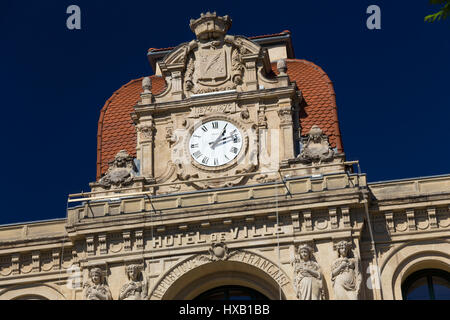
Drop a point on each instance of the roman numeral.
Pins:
(205, 160)
(204, 128)
(194, 145)
(196, 136)
(197, 154)
(234, 150)
(216, 161)
(236, 139)
(215, 125)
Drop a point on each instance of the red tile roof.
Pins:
(116, 130)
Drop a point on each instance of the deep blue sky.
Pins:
(392, 85)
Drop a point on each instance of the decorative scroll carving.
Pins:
(345, 273)
(237, 67)
(121, 171)
(307, 275)
(316, 147)
(96, 288)
(137, 286)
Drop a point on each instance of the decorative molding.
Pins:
(432, 216)
(390, 221)
(195, 261)
(307, 220)
(102, 244)
(411, 219)
(333, 218)
(90, 245)
(346, 217)
(127, 241)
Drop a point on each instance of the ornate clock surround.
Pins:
(243, 153)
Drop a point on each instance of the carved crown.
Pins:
(209, 25)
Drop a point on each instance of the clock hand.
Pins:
(218, 141)
(220, 136)
(224, 140)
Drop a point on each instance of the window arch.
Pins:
(427, 284)
(231, 293)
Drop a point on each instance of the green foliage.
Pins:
(441, 14)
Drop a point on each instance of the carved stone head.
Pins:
(96, 275)
(133, 271)
(305, 252)
(315, 134)
(343, 248)
(120, 160)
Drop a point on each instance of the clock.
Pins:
(215, 143)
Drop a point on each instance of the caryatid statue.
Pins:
(345, 273)
(96, 288)
(307, 275)
(137, 287)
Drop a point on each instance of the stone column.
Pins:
(286, 130)
(146, 130)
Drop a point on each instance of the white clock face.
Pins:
(215, 143)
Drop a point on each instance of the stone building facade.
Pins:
(225, 172)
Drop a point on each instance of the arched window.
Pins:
(427, 284)
(231, 293)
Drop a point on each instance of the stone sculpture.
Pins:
(147, 85)
(137, 287)
(345, 273)
(316, 147)
(96, 288)
(121, 171)
(218, 251)
(307, 275)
